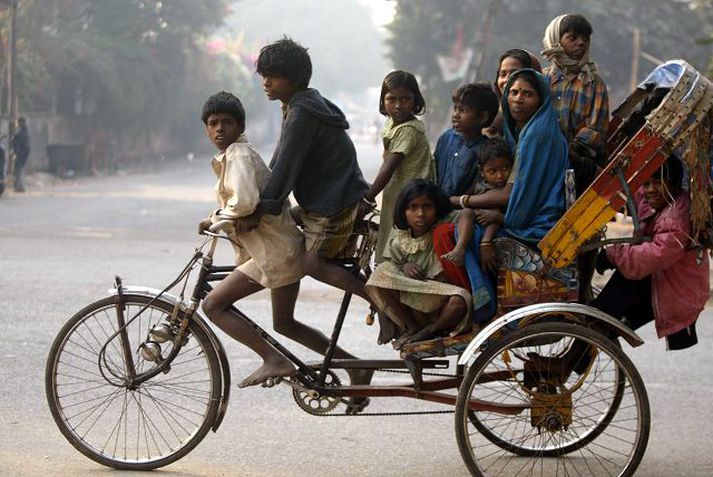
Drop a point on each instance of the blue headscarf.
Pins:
(537, 199)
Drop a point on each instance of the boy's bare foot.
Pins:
(358, 377)
(387, 329)
(278, 368)
(424, 334)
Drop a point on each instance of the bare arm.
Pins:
(493, 199)
(488, 259)
(391, 162)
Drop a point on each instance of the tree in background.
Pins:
(137, 69)
(423, 31)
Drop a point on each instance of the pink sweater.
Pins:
(680, 286)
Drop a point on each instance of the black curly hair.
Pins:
(494, 148)
(223, 103)
(285, 58)
(478, 96)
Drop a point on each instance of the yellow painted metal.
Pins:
(580, 223)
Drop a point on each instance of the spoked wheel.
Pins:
(118, 424)
(527, 407)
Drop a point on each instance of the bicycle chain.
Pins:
(382, 414)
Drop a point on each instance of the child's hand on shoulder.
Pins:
(457, 255)
(412, 270)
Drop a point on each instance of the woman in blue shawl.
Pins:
(535, 193)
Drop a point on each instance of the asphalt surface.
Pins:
(61, 244)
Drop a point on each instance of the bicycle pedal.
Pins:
(271, 382)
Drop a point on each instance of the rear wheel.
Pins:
(522, 409)
(108, 419)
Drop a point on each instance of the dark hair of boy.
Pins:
(223, 103)
(576, 24)
(671, 172)
(480, 97)
(402, 79)
(495, 148)
(417, 188)
(288, 59)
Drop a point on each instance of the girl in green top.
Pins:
(411, 287)
(407, 154)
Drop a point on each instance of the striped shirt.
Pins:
(583, 108)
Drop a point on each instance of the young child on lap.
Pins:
(495, 163)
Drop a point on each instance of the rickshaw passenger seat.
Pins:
(524, 278)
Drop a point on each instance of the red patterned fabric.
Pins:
(443, 242)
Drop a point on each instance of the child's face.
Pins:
(507, 66)
(523, 101)
(420, 215)
(399, 104)
(574, 45)
(466, 120)
(278, 88)
(223, 130)
(655, 193)
(496, 171)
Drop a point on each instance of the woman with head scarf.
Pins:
(535, 194)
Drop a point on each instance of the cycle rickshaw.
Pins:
(137, 379)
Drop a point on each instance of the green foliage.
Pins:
(139, 64)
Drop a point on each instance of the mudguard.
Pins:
(202, 321)
(508, 319)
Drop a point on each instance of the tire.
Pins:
(607, 412)
(605, 434)
(145, 428)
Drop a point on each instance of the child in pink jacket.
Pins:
(665, 280)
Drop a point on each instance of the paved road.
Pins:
(62, 243)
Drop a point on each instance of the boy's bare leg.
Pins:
(217, 304)
(449, 316)
(284, 322)
(323, 270)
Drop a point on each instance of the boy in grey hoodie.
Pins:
(315, 159)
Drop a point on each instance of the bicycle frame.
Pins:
(307, 376)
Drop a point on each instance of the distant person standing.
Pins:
(2, 165)
(21, 148)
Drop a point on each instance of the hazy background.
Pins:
(112, 85)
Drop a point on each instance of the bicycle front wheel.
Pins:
(108, 419)
(522, 410)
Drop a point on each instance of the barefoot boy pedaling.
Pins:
(268, 256)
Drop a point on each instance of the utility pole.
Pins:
(11, 84)
(473, 70)
(635, 53)
(9, 69)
